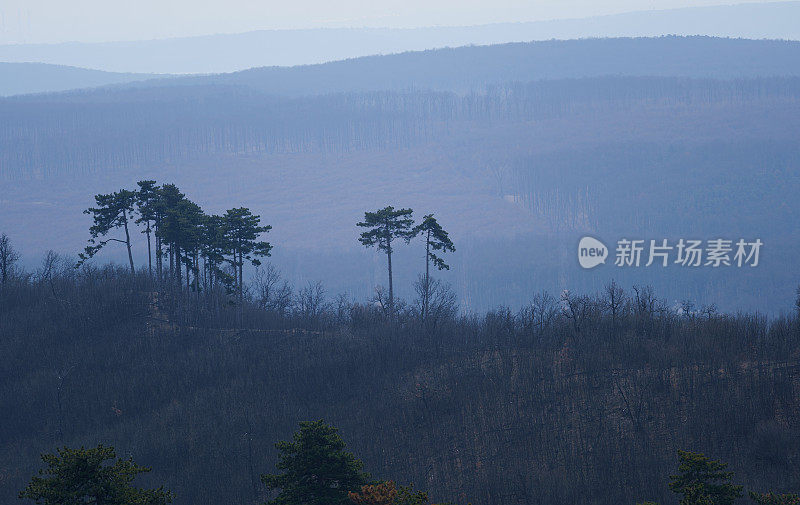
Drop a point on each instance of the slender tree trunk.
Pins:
(236, 272)
(60, 409)
(241, 278)
(391, 287)
(241, 289)
(128, 240)
(149, 252)
(159, 256)
(188, 289)
(427, 275)
(205, 274)
(196, 270)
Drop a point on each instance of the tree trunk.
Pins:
(178, 266)
(188, 289)
(427, 275)
(171, 263)
(241, 278)
(159, 256)
(196, 270)
(128, 240)
(241, 290)
(391, 287)
(149, 252)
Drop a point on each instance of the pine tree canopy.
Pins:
(703, 481)
(385, 225)
(315, 468)
(81, 476)
(437, 239)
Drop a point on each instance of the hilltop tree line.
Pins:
(213, 249)
(183, 236)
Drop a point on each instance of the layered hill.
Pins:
(26, 78)
(232, 52)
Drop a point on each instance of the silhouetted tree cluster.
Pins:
(389, 224)
(192, 241)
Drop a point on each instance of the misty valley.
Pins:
(554, 272)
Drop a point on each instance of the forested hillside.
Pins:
(113, 129)
(579, 400)
(517, 171)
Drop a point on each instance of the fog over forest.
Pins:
(433, 252)
(519, 169)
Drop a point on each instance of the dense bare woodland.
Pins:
(577, 399)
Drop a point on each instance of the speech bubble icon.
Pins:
(591, 252)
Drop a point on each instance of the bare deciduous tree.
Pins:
(8, 259)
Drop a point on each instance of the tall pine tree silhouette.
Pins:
(436, 239)
(114, 210)
(385, 225)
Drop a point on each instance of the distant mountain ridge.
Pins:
(473, 68)
(23, 78)
(233, 52)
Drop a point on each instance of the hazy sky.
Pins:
(40, 21)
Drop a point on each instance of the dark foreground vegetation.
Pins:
(575, 399)
(315, 469)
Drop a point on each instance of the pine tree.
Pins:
(189, 237)
(168, 232)
(113, 210)
(385, 225)
(242, 229)
(703, 481)
(80, 476)
(147, 206)
(215, 246)
(315, 468)
(436, 239)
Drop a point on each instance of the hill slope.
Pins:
(494, 409)
(519, 172)
(21, 78)
(466, 69)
